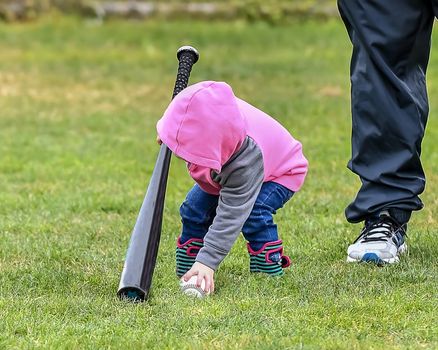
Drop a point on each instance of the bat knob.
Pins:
(191, 49)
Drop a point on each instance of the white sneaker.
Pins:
(380, 242)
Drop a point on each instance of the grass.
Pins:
(79, 103)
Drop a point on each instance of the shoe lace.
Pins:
(380, 231)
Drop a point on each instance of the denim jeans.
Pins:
(199, 209)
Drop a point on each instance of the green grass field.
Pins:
(78, 107)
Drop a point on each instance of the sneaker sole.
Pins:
(375, 259)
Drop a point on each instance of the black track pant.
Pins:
(391, 45)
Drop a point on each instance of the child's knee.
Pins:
(186, 210)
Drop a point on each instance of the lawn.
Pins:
(78, 107)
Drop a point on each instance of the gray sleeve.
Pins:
(240, 179)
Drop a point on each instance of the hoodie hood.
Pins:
(203, 125)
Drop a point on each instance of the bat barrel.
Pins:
(142, 251)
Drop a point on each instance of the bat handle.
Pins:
(187, 57)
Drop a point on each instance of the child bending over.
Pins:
(246, 166)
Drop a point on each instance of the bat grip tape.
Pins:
(185, 66)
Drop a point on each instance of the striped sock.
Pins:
(186, 254)
(268, 259)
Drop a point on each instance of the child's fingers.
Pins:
(209, 284)
(189, 274)
(201, 276)
(212, 286)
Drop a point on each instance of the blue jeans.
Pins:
(199, 209)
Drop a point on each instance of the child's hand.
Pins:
(159, 140)
(204, 273)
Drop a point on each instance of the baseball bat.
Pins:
(141, 255)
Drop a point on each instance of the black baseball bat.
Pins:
(142, 251)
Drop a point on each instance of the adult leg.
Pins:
(391, 44)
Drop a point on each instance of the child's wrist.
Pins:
(206, 263)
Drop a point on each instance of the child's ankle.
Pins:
(268, 258)
(186, 254)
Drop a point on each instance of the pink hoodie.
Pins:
(205, 124)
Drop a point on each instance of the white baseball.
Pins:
(190, 288)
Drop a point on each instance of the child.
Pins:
(246, 166)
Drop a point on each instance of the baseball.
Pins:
(190, 288)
